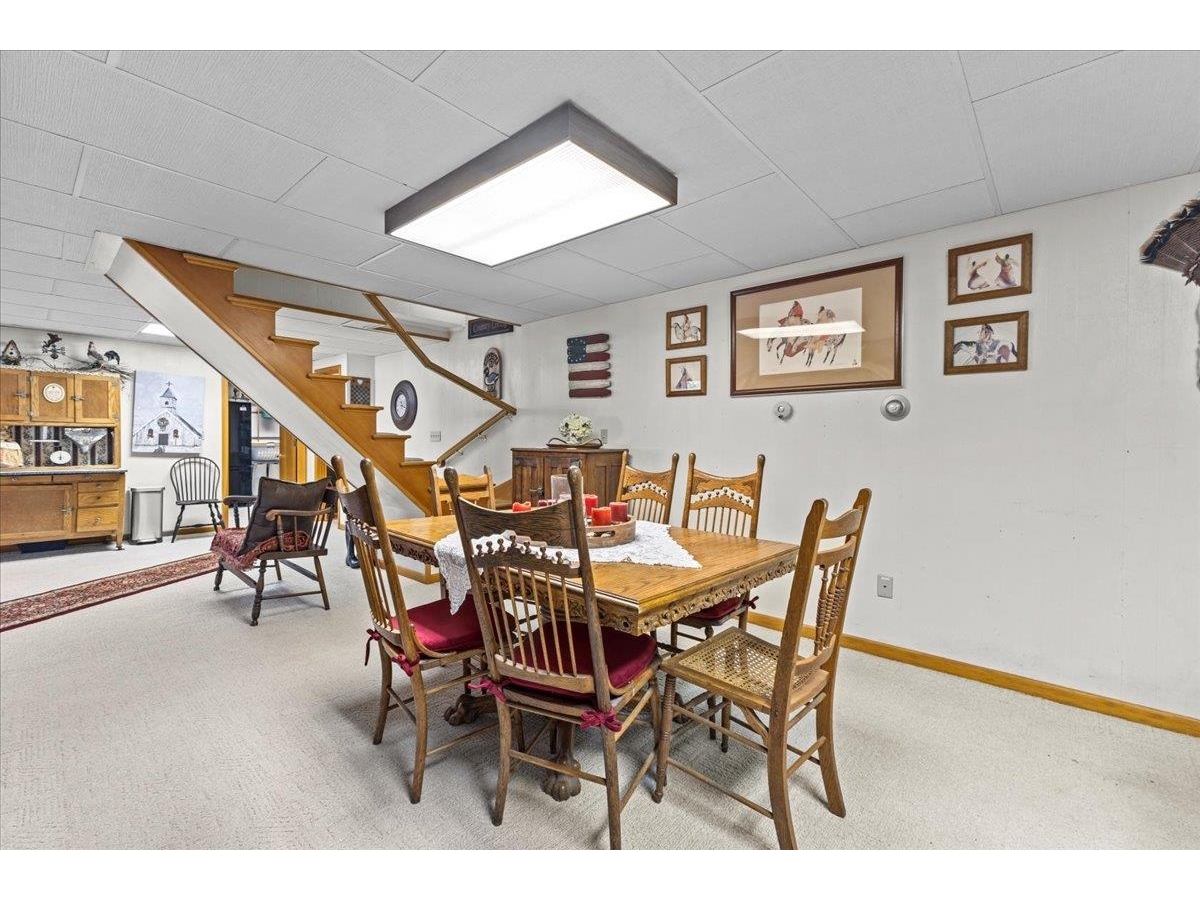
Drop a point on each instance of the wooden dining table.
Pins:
(637, 598)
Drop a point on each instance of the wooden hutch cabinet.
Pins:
(533, 466)
(81, 499)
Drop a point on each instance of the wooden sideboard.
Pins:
(46, 506)
(533, 466)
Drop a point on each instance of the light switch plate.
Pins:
(883, 586)
(604, 435)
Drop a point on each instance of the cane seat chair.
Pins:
(419, 640)
(478, 489)
(196, 481)
(647, 493)
(722, 505)
(557, 662)
(288, 523)
(772, 687)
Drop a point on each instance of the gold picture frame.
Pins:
(986, 271)
(687, 328)
(986, 344)
(841, 331)
(687, 376)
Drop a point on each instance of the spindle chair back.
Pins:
(723, 504)
(196, 481)
(648, 494)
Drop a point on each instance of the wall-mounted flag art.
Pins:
(588, 364)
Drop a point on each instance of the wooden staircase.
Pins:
(208, 283)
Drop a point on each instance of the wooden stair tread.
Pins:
(298, 342)
(389, 436)
(316, 376)
(210, 263)
(363, 406)
(253, 303)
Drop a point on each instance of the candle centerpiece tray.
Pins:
(612, 535)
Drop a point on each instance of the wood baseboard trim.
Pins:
(1121, 709)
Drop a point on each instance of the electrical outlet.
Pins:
(604, 435)
(435, 436)
(883, 586)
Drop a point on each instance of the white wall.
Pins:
(147, 470)
(1045, 523)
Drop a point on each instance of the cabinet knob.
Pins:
(22, 393)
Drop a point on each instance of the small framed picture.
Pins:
(687, 328)
(687, 376)
(997, 343)
(1002, 268)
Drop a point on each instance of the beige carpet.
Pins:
(164, 720)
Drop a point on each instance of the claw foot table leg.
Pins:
(557, 785)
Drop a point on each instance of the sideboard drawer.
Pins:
(98, 495)
(98, 518)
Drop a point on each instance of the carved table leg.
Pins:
(469, 706)
(557, 785)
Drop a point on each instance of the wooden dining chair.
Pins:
(772, 687)
(418, 640)
(557, 662)
(478, 489)
(196, 481)
(722, 505)
(647, 493)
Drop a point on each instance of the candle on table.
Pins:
(620, 511)
(602, 515)
(518, 506)
(589, 503)
(542, 503)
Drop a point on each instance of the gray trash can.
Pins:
(145, 515)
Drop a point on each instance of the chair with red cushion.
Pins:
(417, 639)
(557, 661)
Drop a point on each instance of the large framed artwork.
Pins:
(998, 343)
(834, 331)
(1002, 268)
(168, 414)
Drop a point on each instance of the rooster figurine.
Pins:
(95, 355)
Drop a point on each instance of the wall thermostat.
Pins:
(783, 410)
(895, 408)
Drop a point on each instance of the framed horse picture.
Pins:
(835, 331)
(687, 328)
(1002, 268)
(997, 343)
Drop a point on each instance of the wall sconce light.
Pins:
(895, 408)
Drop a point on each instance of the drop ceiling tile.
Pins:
(101, 55)
(47, 267)
(560, 304)
(762, 224)
(409, 63)
(474, 306)
(39, 206)
(75, 97)
(710, 267)
(337, 101)
(644, 243)
(953, 206)
(704, 68)
(456, 274)
(38, 157)
(76, 247)
(126, 309)
(992, 71)
(133, 185)
(30, 238)
(339, 190)
(858, 130)
(1093, 128)
(636, 93)
(581, 275)
(19, 281)
(96, 292)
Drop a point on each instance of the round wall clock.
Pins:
(404, 405)
(54, 392)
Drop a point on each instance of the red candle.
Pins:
(589, 503)
(518, 506)
(620, 511)
(602, 515)
(542, 503)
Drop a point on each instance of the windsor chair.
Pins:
(647, 493)
(771, 686)
(196, 481)
(419, 640)
(545, 649)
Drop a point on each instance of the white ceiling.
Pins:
(287, 160)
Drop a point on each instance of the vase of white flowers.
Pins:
(575, 429)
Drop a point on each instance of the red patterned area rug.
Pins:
(39, 607)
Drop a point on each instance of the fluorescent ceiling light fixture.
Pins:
(156, 329)
(564, 176)
(816, 329)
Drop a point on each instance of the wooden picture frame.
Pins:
(979, 271)
(1004, 343)
(677, 377)
(682, 328)
(867, 298)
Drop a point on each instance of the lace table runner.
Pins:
(653, 546)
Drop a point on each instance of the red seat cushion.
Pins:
(442, 631)
(228, 541)
(627, 656)
(719, 610)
